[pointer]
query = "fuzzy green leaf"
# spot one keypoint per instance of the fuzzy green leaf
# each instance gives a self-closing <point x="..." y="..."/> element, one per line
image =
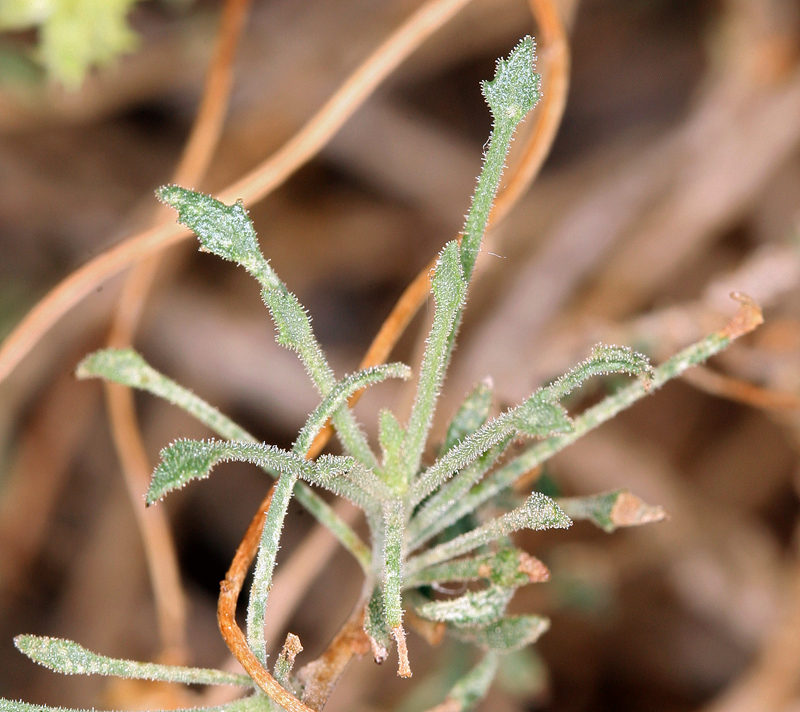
<point x="473" y="413"/>
<point x="474" y="608"/>
<point x="473" y="687"/>
<point x="507" y="567"/>
<point x="338" y="397"/>
<point x="536" y="417"/>
<point x="187" y="460"/>
<point x="538" y="513"/>
<point x="390" y="437"/>
<point x="449" y="290"/>
<point x="611" y="510"/>
<point x="514" y="90"/>
<point x="125" y="366"/>
<point x="376" y="627"/>
<point x="507" y="634"/>
<point x="227" y="231"/>
<point x="128" y="368"/>
<point x="603" y="361"/>
<point x="223" y="230"/>
<point x="70" y="658"/>
<point x="511" y="95"/>
<point x="393" y="562"/>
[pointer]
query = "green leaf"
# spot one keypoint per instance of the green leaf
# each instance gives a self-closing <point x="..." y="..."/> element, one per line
<point x="393" y="518"/>
<point x="535" y="417"/>
<point x="511" y="95"/>
<point x="603" y="361"/>
<point x="223" y="230"/>
<point x="473" y="413"/>
<point x="125" y="366"/>
<point x="187" y="460"/>
<point x="376" y="627"/>
<point x="538" y="513"/>
<point x="507" y="567"/>
<point x="70" y="658"/>
<point x="611" y="510"/>
<point x="473" y="687"/>
<point x="128" y="368"/>
<point x="506" y="635"/>
<point x="474" y="608"/>
<point x="514" y="90"/>
<point x="449" y="290"/>
<point x="390" y="437"/>
<point x="338" y="397"/>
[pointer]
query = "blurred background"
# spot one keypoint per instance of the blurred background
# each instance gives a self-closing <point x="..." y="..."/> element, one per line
<point x="674" y="180"/>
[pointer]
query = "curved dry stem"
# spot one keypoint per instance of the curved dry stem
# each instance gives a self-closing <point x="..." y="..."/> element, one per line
<point x="736" y="389"/>
<point x="232" y="634"/>
<point x="159" y="547"/>
<point x="320" y="676"/>
<point x="162" y="560"/>
<point x="251" y="188"/>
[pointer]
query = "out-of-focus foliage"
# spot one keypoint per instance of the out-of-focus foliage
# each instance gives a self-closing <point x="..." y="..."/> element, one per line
<point x="73" y="35"/>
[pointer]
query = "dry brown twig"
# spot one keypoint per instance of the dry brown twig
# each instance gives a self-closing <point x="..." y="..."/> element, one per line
<point x="162" y="559"/>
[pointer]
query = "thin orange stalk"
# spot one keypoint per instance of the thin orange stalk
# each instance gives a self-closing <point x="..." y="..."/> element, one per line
<point x="162" y="559"/>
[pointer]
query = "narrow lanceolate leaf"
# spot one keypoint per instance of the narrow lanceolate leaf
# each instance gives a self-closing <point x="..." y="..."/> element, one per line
<point x="187" y="460"/>
<point x="603" y="361"/>
<point x="128" y="368"/>
<point x="473" y="687"/>
<point x="536" y="417"/>
<point x="338" y="397"/>
<point x="449" y="291"/>
<point x="125" y="366"/>
<point x="506" y="635"/>
<point x="393" y="562"/>
<point x="473" y="413"/>
<point x="265" y="564"/>
<point x="508" y="567"/>
<point x="436" y="512"/>
<point x="747" y="319"/>
<point x="474" y="608"/>
<point x="69" y="658"/>
<point x="512" y="93"/>
<point x="538" y="513"/>
<point x="611" y="510"/>
<point x="390" y="436"/>
<point x="376" y="627"/>
<point x="246" y="704"/>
